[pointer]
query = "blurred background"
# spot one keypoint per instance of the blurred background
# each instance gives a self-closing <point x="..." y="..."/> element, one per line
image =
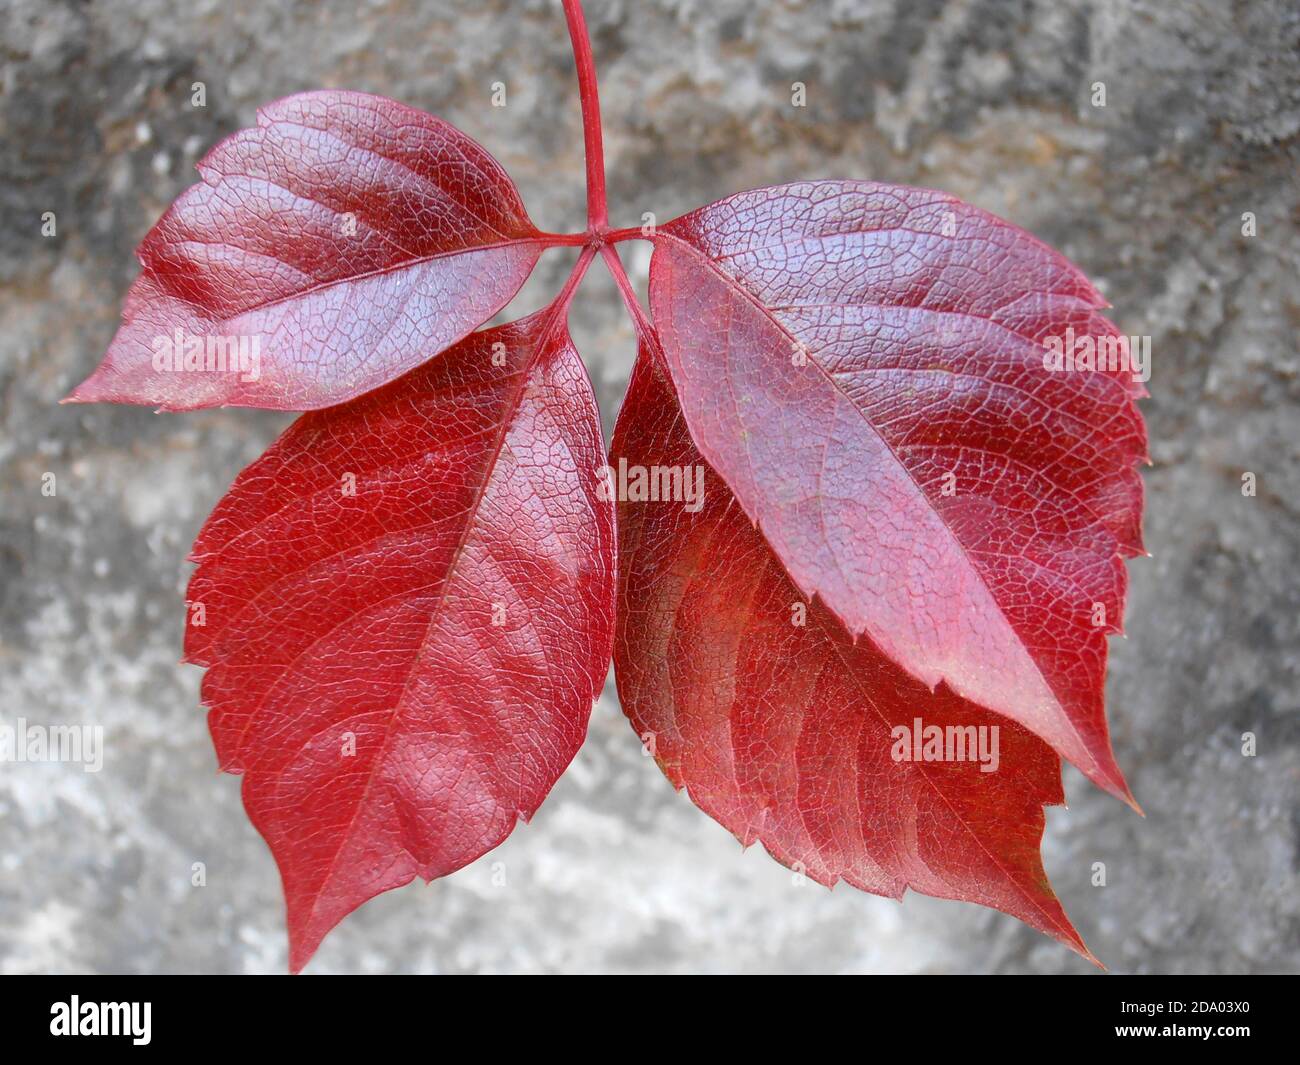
<point x="989" y="99"/>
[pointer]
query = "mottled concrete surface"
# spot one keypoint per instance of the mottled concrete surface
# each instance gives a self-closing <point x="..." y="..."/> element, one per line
<point x="987" y="99"/>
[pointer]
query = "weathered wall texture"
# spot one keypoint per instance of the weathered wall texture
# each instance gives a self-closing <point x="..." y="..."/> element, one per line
<point x="988" y="99"/>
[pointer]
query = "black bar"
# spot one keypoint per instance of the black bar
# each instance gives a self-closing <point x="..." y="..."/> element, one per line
<point x="1037" y="1014"/>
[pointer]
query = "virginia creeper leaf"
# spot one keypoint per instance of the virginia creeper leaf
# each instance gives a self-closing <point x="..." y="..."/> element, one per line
<point x="863" y="364"/>
<point x="408" y="610"/>
<point x="780" y="725"/>
<point x="343" y="240"/>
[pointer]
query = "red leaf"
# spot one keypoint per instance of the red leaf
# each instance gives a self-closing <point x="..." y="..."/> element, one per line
<point x="453" y="617"/>
<point x="863" y="365"/>
<point x="783" y="732"/>
<point x="347" y="236"/>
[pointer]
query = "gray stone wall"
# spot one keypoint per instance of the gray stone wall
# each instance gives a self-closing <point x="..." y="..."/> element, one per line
<point x="988" y="99"/>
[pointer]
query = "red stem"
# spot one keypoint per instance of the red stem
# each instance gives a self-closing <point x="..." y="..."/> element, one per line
<point x="645" y="331"/>
<point x="616" y="236"/>
<point x="598" y="235"/>
<point x="597" y="208"/>
<point x="558" y="309"/>
<point x="612" y="259"/>
<point x="575" y="278"/>
<point x="565" y="240"/>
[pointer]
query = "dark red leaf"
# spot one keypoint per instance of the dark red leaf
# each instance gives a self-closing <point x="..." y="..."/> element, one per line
<point x="864" y="366"/>
<point x="781" y="726"/>
<point x="348" y="237"/>
<point x="451" y="621"/>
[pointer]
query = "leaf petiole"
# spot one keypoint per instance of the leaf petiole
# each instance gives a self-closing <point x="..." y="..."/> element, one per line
<point x="597" y="208"/>
<point x="644" y="330"/>
<point x="565" y="240"/>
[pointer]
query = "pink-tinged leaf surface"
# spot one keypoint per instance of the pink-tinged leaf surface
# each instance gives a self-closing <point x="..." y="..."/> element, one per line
<point x="864" y="366"/>
<point x="452" y="620"/>
<point x="783" y="732"/>
<point x="346" y="239"/>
